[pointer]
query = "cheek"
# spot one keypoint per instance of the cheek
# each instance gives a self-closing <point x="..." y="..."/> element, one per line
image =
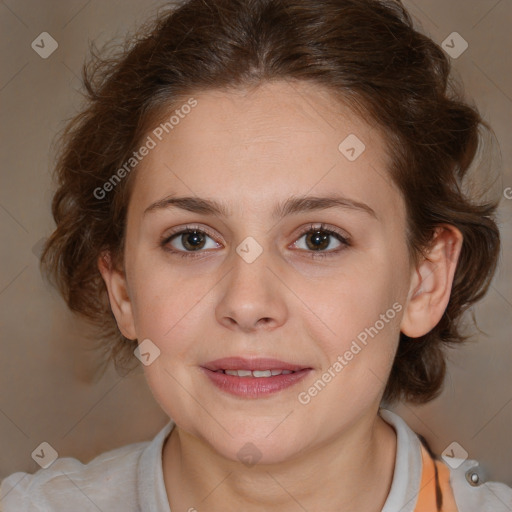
<point x="347" y="302"/>
<point x="162" y="300"/>
<point x="358" y="348"/>
<point x="356" y="318"/>
<point x="169" y="310"/>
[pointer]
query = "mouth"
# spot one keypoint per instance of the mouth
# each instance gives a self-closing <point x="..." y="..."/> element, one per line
<point x="254" y="378"/>
<point x="255" y="373"/>
<point x="258" y="365"/>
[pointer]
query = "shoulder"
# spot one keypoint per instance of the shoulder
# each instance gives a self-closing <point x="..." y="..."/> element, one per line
<point x="469" y="496"/>
<point x="472" y="493"/>
<point x="69" y="484"/>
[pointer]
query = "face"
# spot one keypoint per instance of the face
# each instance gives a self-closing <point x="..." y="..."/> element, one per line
<point x="300" y="288"/>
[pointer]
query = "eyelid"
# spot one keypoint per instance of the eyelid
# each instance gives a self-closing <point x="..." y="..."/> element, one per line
<point x="190" y="227"/>
<point x="322" y="226"/>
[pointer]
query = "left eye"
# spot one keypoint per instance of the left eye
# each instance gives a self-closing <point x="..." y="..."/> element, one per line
<point x="193" y="239"/>
<point x="318" y="239"/>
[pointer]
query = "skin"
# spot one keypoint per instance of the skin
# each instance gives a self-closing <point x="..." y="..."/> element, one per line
<point x="253" y="149"/>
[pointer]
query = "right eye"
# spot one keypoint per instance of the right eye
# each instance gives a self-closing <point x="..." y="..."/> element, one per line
<point x="191" y="239"/>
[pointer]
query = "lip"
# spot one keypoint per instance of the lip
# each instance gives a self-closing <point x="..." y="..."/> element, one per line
<point x="240" y="363"/>
<point x="253" y="387"/>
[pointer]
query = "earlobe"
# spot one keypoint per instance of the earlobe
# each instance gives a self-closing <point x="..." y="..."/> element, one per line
<point x="120" y="301"/>
<point x="431" y="284"/>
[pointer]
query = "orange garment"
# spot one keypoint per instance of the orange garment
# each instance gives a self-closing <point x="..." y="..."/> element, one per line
<point x="427" y="495"/>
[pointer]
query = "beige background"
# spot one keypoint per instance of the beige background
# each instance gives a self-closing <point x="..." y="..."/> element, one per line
<point x="46" y="389"/>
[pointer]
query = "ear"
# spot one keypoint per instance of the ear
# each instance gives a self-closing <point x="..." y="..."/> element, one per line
<point x="431" y="285"/>
<point x="118" y="295"/>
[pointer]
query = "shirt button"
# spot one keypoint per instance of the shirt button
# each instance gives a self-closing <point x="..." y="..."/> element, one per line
<point x="474" y="476"/>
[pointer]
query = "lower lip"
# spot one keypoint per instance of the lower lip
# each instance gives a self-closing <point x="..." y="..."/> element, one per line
<point x="254" y="387"/>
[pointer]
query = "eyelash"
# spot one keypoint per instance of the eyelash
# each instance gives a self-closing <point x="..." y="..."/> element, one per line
<point x="311" y="228"/>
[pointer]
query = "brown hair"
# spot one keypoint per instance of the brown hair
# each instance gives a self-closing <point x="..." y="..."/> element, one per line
<point x="364" y="52"/>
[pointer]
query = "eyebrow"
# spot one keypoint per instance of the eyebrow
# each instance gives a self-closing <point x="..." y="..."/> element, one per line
<point x="292" y="205"/>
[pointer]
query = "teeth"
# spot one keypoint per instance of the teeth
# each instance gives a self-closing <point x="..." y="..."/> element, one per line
<point x="264" y="373"/>
<point x="256" y="373"/>
<point x="244" y="373"/>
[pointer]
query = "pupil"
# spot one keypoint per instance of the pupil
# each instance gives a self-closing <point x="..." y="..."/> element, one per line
<point x="193" y="235"/>
<point x="318" y="238"/>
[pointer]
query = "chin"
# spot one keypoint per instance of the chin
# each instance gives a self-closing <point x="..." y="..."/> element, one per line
<point x="251" y="450"/>
<point x="250" y="454"/>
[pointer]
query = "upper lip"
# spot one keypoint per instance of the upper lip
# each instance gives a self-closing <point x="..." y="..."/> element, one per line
<point x="240" y="363"/>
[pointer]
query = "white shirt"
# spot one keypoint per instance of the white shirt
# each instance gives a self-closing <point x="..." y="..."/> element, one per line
<point x="130" y="479"/>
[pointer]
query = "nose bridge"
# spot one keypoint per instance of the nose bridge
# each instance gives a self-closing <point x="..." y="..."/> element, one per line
<point x="251" y="291"/>
<point x="250" y="265"/>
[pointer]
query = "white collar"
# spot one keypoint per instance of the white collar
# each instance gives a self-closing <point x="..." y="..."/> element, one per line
<point x="402" y="496"/>
<point x="406" y="483"/>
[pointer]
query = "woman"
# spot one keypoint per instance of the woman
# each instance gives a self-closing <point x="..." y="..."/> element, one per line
<point x="263" y="201"/>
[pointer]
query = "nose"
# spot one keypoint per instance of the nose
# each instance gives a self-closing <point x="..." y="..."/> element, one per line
<point x="252" y="295"/>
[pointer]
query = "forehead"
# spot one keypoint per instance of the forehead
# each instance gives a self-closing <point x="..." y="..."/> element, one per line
<point x="244" y="147"/>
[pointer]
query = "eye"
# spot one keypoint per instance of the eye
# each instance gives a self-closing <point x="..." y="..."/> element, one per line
<point x="318" y="238"/>
<point x="193" y="239"/>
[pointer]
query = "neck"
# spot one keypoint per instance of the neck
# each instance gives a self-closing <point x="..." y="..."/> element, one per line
<point x="351" y="472"/>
